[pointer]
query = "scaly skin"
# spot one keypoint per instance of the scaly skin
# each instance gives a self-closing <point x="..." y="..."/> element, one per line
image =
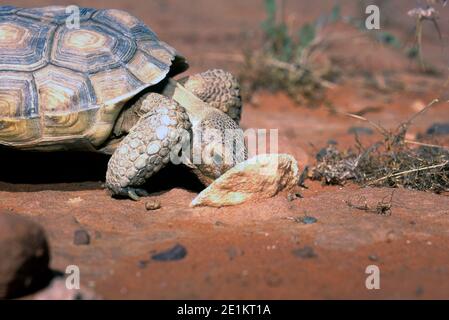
<point x="146" y="149"/>
<point x="219" y="89"/>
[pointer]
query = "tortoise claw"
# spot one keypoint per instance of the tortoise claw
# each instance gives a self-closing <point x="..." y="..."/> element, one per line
<point x="133" y="195"/>
<point x="136" y="194"/>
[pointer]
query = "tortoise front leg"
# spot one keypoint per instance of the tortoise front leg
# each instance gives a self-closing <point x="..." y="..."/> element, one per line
<point x="162" y="129"/>
<point x="218" y="88"/>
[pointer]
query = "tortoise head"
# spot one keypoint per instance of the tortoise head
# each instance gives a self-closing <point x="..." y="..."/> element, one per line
<point x="218" y="145"/>
<point x="217" y="142"/>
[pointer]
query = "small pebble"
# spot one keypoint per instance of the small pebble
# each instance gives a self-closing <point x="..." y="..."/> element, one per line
<point x="177" y="252"/>
<point x="305" y="253"/>
<point x="219" y="224"/>
<point x="321" y="154"/>
<point x="438" y="129"/>
<point x="81" y="237"/>
<point x="152" y="205"/>
<point x="360" y="131"/>
<point x="373" y="257"/>
<point x="307" y="220"/>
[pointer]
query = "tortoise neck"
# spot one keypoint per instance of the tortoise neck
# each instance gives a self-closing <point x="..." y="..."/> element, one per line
<point x="195" y="107"/>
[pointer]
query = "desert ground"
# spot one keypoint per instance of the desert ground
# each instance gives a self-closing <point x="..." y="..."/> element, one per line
<point x="257" y="250"/>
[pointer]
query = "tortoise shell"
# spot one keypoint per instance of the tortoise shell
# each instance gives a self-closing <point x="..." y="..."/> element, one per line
<point x="62" y="85"/>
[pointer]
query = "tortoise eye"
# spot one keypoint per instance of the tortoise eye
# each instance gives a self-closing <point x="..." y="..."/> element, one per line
<point x="218" y="159"/>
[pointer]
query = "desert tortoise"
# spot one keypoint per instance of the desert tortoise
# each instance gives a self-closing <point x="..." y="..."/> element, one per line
<point x="105" y="85"/>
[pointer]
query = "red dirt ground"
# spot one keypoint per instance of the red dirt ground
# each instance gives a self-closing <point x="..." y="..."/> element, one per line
<point x="247" y="251"/>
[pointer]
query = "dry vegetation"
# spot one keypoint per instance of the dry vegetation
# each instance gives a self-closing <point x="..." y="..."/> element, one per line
<point x="286" y="63"/>
<point x="286" y="60"/>
<point x="391" y="162"/>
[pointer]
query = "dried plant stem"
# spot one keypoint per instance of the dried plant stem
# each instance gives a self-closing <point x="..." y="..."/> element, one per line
<point x="379" y="128"/>
<point x="425" y="144"/>
<point x="409" y="121"/>
<point x="407" y="172"/>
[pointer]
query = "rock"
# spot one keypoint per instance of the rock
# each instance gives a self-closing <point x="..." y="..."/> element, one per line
<point x="260" y="177"/>
<point x="308" y="220"/>
<point x="321" y="154"/>
<point x="438" y="129"/>
<point x="152" y="205"/>
<point x="305" y="253"/>
<point x="57" y="290"/>
<point x="178" y="252"/>
<point x="373" y="257"/>
<point x="81" y="237"/>
<point x="361" y="130"/>
<point x="24" y="256"/>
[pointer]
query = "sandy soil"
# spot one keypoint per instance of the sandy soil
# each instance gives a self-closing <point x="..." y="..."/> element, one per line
<point x="251" y="251"/>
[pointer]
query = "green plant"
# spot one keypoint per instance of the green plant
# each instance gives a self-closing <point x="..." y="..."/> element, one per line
<point x="283" y="63"/>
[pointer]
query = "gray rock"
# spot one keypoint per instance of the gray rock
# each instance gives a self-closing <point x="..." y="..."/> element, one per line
<point x="438" y="129"/>
<point x="177" y="252"/>
<point x="305" y="253"/>
<point x="361" y="130"/>
<point x="81" y="237"/>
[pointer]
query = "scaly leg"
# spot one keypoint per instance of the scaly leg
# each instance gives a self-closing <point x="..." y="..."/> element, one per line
<point x="162" y="129"/>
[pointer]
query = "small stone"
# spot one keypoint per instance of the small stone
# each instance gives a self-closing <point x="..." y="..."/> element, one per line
<point x="152" y="205"/>
<point x="361" y="130"/>
<point x="308" y="220"/>
<point x="438" y="129"/>
<point x="305" y="253"/>
<point x="81" y="237"/>
<point x="177" y="252"/>
<point x="321" y="154"/>
<point x="24" y="256"/>
<point x="373" y="257"/>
